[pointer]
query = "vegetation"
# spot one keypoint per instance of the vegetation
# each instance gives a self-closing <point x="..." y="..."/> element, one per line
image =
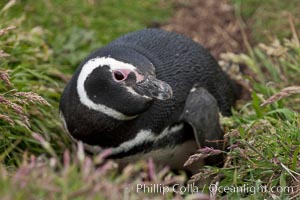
<point x="264" y="137"/>
<point x="269" y="18"/>
<point x="47" y="42"/>
<point x="42" y="42"/>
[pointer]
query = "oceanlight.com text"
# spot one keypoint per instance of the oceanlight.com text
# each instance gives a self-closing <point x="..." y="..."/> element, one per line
<point x="248" y="189"/>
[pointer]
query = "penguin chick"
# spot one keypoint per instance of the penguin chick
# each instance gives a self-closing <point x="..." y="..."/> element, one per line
<point x="150" y="93"/>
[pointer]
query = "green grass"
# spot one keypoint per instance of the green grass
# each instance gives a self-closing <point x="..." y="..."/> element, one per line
<point x="52" y="37"/>
<point x="270" y="18"/>
<point x="265" y="140"/>
<point x="50" y="40"/>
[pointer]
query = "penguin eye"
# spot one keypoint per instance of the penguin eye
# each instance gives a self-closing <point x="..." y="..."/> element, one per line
<point x="119" y="76"/>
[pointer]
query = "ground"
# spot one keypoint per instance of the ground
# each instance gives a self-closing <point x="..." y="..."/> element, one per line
<point x="211" y="23"/>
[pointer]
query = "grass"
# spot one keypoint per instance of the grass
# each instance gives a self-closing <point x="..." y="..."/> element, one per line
<point x="268" y="19"/>
<point x="265" y="139"/>
<point x="49" y="41"/>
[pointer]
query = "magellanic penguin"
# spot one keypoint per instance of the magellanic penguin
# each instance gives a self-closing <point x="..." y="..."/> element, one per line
<point x="150" y="93"/>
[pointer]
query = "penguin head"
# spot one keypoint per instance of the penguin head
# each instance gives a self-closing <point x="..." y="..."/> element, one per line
<point x="119" y="82"/>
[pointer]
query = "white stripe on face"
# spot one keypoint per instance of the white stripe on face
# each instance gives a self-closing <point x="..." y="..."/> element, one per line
<point x="86" y="70"/>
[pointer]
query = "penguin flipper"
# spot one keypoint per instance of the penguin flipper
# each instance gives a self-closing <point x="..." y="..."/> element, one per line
<point x="201" y="111"/>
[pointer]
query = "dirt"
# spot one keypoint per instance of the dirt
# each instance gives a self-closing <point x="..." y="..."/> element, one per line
<point x="212" y="23"/>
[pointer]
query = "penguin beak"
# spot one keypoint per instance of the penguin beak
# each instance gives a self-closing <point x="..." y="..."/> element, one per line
<point x="154" y="88"/>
